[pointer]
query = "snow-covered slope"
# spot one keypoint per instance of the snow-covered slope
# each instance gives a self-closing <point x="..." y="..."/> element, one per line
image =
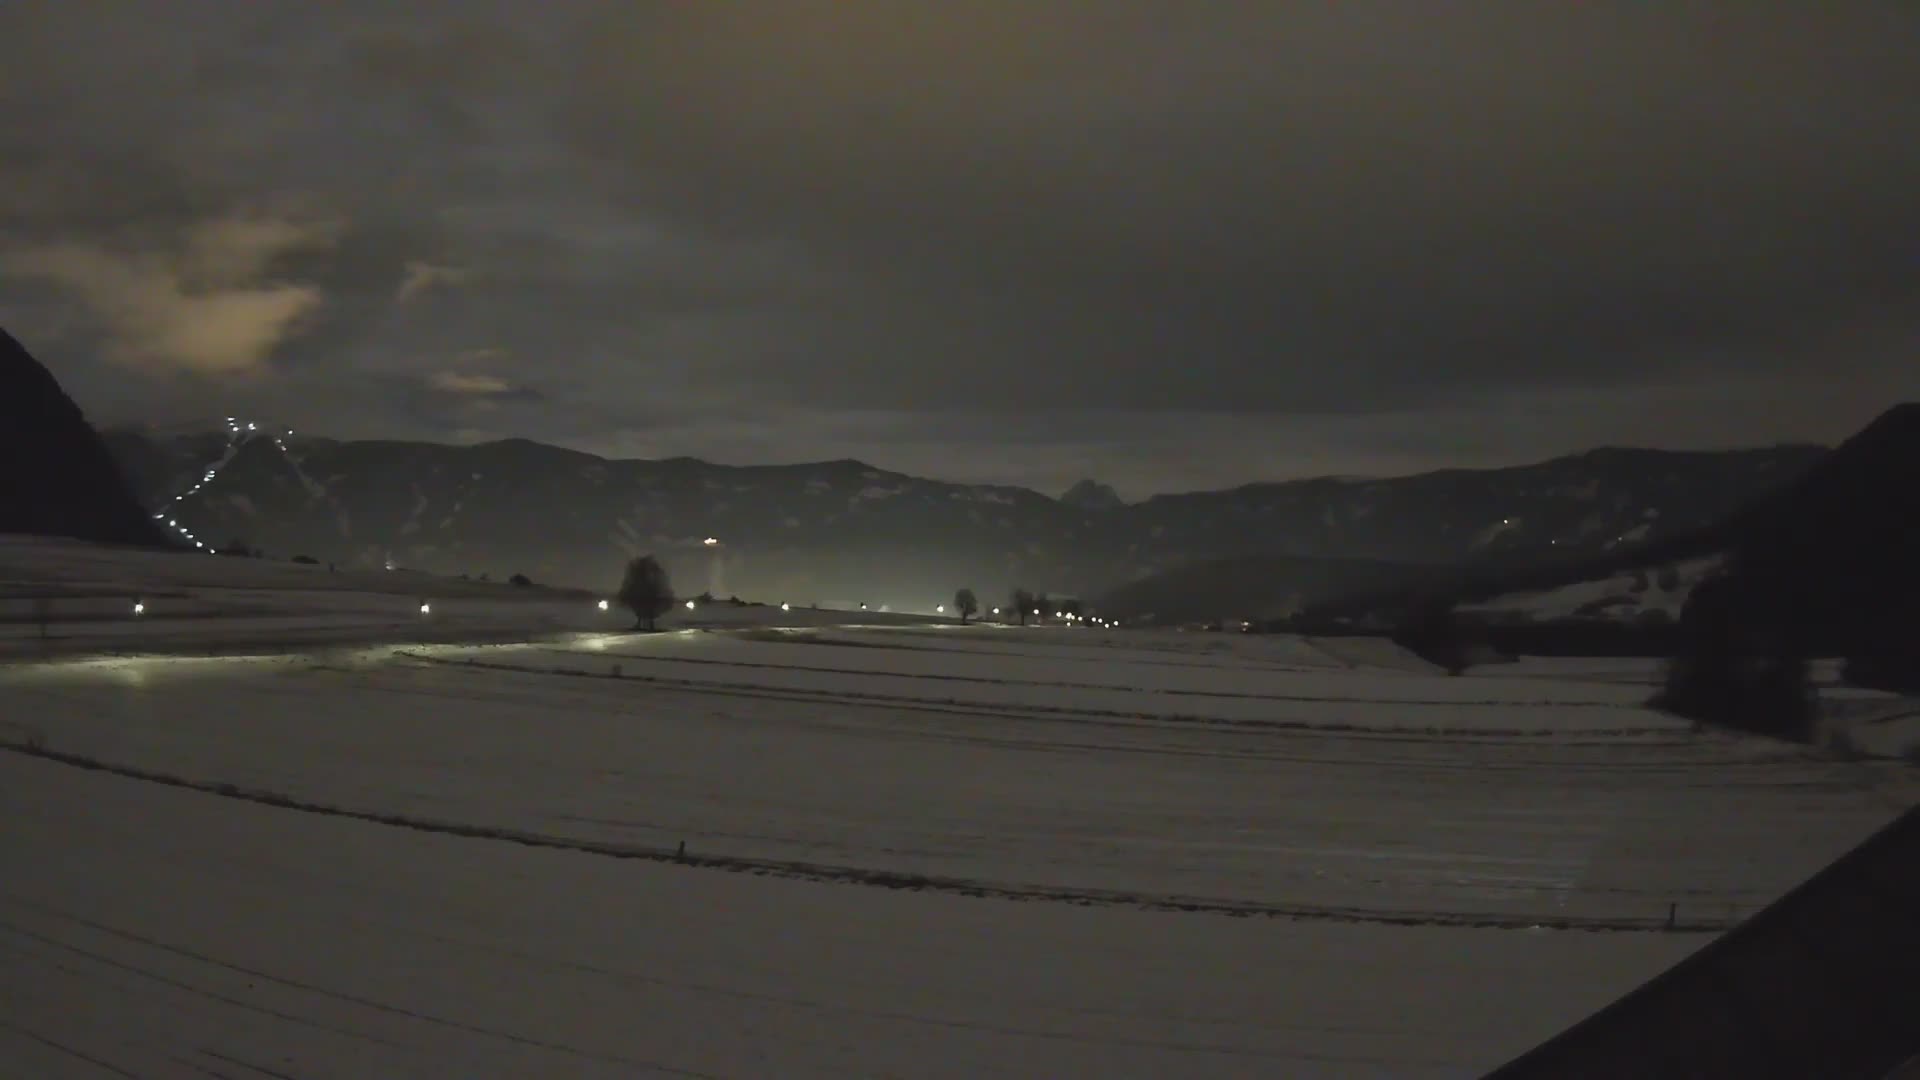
<point x="1654" y="594"/>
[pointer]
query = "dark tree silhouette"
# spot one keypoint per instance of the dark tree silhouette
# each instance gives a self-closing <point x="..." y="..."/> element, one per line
<point x="1740" y="663"/>
<point x="1041" y="605"/>
<point x="645" y="591"/>
<point x="1022" y="604"/>
<point x="966" y="604"/>
<point x="521" y="580"/>
<point x="1432" y="633"/>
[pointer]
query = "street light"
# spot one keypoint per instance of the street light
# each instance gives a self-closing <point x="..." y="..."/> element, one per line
<point x="786" y="607"/>
<point x="426" y="609"/>
<point x="139" y="608"/>
<point x="940" y="609"/>
<point x="689" y="605"/>
<point x="603" y="605"/>
<point x="710" y="541"/>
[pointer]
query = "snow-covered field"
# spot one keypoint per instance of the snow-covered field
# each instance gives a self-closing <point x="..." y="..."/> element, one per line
<point x="59" y="598"/>
<point x="910" y="849"/>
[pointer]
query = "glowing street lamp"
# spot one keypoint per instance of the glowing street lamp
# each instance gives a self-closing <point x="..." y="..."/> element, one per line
<point x="940" y="609"/>
<point x="426" y="609"/>
<point x="603" y="605"/>
<point x="689" y="605"/>
<point x="139" y="608"/>
<point x="710" y="541"/>
<point x="786" y="607"/>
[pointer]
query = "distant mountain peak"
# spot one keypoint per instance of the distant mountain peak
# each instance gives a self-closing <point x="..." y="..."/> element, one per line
<point x="1092" y="495"/>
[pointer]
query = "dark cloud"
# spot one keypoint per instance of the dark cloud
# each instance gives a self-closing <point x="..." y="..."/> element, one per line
<point x="1166" y="244"/>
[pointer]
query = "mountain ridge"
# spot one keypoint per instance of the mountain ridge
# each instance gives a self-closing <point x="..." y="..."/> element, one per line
<point x="848" y="530"/>
<point x="57" y="475"/>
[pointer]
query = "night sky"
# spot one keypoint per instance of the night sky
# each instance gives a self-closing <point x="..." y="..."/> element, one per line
<point x="1169" y="246"/>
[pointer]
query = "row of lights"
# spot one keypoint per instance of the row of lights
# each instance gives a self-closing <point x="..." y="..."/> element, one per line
<point x="233" y="436"/>
<point x="426" y="608"/>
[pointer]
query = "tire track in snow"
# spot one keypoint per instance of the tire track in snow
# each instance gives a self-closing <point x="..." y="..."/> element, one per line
<point x="1041" y="650"/>
<point x="788" y="693"/>
<point x="900" y="880"/>
<point x="1235" y="695"/>
<point x="340" y="996"/>
<point x="1582" y="740"/>
<point x="63" y="1048"/>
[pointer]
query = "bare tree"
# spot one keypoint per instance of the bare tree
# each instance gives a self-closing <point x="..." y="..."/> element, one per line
<point x="1022" y="604"/>
<point x="646" y="591"/>
<point x="966" y="604"/>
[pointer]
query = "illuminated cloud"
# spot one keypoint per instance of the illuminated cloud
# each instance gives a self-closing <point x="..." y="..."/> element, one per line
<point x="422" y="276"/>
<point x="454" y="382"/>
<point x="208" y="307"/>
